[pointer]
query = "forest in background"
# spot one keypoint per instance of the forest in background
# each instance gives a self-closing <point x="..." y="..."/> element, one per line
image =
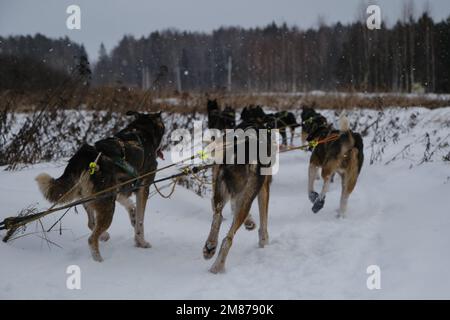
<point x="411" y="56"/>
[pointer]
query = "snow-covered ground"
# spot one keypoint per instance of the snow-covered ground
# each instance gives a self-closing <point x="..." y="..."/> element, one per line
<point x="398" y="219"/>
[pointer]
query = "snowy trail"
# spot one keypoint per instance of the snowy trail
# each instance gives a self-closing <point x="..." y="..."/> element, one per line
<point x="398" y="219"/>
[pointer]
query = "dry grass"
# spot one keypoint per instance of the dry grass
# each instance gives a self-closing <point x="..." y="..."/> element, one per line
<point x="121" y="99"/>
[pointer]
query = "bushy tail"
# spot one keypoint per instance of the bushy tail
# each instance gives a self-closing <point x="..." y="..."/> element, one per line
<point x="344" y="124"/>
<point x="62" y="189"/>
<point x="354" y="139"/>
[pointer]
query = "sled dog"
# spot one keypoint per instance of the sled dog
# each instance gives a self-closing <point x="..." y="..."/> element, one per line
<point x="130" y="153"/>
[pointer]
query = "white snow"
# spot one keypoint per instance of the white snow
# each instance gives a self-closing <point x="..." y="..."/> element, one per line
<point x="398" y="219"/>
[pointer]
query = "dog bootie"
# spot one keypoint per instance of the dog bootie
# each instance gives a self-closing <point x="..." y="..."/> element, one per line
<point x="318" y="205"/>
<point x="313" y="196"/>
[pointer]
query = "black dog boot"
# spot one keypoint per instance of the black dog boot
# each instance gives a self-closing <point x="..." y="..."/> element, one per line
<point x="318" y="205"/>
<point x="313" y="196"/>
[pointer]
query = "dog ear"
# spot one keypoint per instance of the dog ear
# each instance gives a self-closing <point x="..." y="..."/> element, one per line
<point x="132" y="113"/>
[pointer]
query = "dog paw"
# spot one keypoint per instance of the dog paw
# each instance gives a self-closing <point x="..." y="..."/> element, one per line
<point x="340" y="214"/>
<point x="96" y="256"/>
<point x="313" y="196"/>
<point x="140" y="243"/>
<point x="209" y="250"/>
<point x="263" y="240"/>
<point x="217" y="269"/>
<point x="105" y="236"/>
<point x="318" y="205"/>
<point x="249" y="224"/>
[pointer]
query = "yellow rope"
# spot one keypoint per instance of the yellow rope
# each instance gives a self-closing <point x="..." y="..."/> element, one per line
<point x="313" y="143"/>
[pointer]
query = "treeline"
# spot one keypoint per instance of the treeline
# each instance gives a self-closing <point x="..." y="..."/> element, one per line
<point x="411" y="56"/>
<point x="36" y="62"/>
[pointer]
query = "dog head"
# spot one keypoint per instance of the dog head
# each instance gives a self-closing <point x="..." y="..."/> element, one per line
<point x="152" y="126"/>
<point x="307" y="113"/>
<point x="212" y="105"/>
<point x="253" y="114"/>
<point x="312" y="121"/>
<point x="148" y="122"/>
<point x="317" y="128"/>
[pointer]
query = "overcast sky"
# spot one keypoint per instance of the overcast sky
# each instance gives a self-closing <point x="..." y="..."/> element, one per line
<point x="108" y="20"/>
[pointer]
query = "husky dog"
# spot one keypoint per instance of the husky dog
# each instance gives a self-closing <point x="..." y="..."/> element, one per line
<point x="212" y="107"/>
<point x="222" y="120"/>
<point x="311" y="120"/>
<point x="253" y="114"/>
<point x="343" y="155"/>
<point x="218" y="119"/>
<point x="282" y="120"/>
<point x="240" y="184"/>
<point x="130" y="153"/>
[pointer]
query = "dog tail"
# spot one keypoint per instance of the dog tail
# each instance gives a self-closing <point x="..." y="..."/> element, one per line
<point x="360" y="146"/>
<point x="62" y="189"/>
<point x="344" y="124"/>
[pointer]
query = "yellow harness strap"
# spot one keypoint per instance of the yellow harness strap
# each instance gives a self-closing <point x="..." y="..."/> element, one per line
<point x="203" y="155"/>
<point x="93" y="167"/>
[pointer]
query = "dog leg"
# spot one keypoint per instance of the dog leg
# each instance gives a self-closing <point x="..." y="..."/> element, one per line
<point x="284" y="138"/>
<point x="263" y="203"/>
<point x="218" y="202"/>
<point x="349" y="179"/>
<point x="348" y="184"/>
<point x="292" y="135"/>
<point x="312" y="173"/>
<point x="249" y="222"/>
<point x="141" y="199"/>
<point x="104" y="215"/>
<point x="129" y="206"/>
<point x="91" y="216"/>
<point x="91" y="222"/>
<point x="343" y="204"/>
<point x="320" y="201"/>
<point x="238" y="220"/>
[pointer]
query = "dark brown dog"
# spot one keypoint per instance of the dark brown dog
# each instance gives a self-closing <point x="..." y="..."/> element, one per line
<point x="130" y="153"/>
<point x="218" y="119"/>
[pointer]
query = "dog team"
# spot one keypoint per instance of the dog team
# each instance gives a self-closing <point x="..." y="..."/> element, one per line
<point x="133" y="152"/>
